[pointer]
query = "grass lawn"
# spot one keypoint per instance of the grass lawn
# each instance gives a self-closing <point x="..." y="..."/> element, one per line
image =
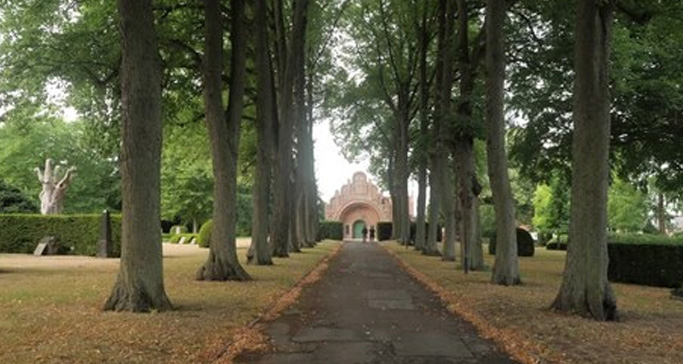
<point x="50" y="308"/>
<point x="650" y="328"/>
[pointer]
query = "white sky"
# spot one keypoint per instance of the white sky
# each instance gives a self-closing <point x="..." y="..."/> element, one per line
<point x="331" y="168"/>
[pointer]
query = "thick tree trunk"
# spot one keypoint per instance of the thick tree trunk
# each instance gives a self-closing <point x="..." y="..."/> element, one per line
<point x="139" y="285"/>
<point x="506" y="266"/>
<point x="288" y="70"/>
<point x="448" y="207"/>
<point x="476" y="258"/>
<point x="222" y="263"/>
<point x="402" y="174"/>
<point x="585" y="289"/>
<point x="259" y="251"/>
<point x="54" y="189"/>
<point x="431" y="247"/>
<point x="423" y="147"/>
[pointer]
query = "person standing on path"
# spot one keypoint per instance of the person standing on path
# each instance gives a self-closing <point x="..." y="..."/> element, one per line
<point x="372" y="233"/>
<point x="365" y="233"/>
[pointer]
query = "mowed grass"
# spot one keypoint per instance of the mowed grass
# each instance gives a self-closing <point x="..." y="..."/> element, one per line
<point x="650" y="329"/>
<point x="50" y="308"/>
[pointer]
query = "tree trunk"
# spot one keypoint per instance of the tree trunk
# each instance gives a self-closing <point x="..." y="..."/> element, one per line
<point x="259" y="251"/>
<point x="423" y="147"/>
<point x="661" y="213"/>
<point x="222" y="263"/>
<point x="448" y="207"/>
<point x="585" y="289"/>
<point x="289" y="69"/>
<point x="506" y="266"/>
<point x="430" y="248"/>
<point x="139" y="285"/>
<point x="52" y="194"/>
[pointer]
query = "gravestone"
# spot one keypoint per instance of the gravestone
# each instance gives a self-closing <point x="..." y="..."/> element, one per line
<point x="193" y="241"/>
<point x="182" y="240"/>
<point x="48" y="245"/>
<point x="104" y="244"/>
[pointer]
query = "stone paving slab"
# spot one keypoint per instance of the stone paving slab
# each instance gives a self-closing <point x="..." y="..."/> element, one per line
<point x="366" y="309"/>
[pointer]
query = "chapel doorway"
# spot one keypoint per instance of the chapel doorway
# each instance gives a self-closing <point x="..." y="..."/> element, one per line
<point x="358" y="227"/>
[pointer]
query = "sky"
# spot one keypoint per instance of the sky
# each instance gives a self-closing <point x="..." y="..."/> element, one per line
<point x="331" y="168"/>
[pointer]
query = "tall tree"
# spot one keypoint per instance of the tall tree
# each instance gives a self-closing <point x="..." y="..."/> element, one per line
<point x="222" y="263"/>
<point x="139" y="285"/>
<point x="290" y="53"/>
<point x="259" y="251"/>
<point x="585" y="289"/>
<point x="506" y="267"/>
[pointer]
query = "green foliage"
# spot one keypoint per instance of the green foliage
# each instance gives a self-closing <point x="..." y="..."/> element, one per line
<point x="175" y="239"/>
<point x="627" y="207"/>
<point x="24" y="148"/>
<point x="331" y="230"/>
<point x="204" y="238"/>
<point x="645" y="239"/>
<point x="12" y="200"/>
<point x="21" y="233"/>
<point x="525" y="243"/>
<point x="488" y="220"/>
<point x="384" y="230"/>
<point x="551" y="205"/>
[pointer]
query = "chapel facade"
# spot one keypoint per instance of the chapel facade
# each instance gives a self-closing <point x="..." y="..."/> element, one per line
<point x="359" y="204"/>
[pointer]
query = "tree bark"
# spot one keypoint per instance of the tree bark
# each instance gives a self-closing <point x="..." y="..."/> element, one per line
<point x="506" y="266"/>
<point x="53" y="192"/>
<point x="139" y="285"/>
<point x="259" y="251"/>
<point x="422" y="148"/>
<point x="222" y="263"/>
<point x="288" y="71"/>
<point x="431" y="248"/>
<point x="661" y="213"/>
<point x="585" y="289"/>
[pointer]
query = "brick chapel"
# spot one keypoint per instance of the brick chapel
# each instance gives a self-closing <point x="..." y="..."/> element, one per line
<point x="360" y="204"/>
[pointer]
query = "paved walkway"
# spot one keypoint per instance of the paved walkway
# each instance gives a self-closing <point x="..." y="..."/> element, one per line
<point x="366" y="309"/>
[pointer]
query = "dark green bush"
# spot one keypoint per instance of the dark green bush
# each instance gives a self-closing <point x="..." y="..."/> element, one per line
<point x="204" y="238"/>
<point x="384" y="230"/>
<point x="333" y="230"/>
<point x="20" y="233"/>
<point x="525" y="244"/>
<point x="12" y="200"/>
<point x="647" y="264"/>
<point x="175" y="238"/>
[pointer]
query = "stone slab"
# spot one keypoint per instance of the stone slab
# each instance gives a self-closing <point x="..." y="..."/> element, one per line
<point x="326" y="334"/>
<point x="391" y="304"/>
<point x="432" y="344"/>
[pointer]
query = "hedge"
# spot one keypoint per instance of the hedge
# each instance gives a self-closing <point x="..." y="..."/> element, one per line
<point x="20" y="233"/>
<point x="204" y="237"/>
<point x="525" y="244"/>
<point x="646" y="264"/>
<point x="413" y="231"/>
<point x="175" y="238"/>
<point x="384" y="230"/>
<point x="333" y="230"/>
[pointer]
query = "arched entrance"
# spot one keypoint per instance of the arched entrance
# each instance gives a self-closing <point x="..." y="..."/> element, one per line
<point x="358" y="227"/>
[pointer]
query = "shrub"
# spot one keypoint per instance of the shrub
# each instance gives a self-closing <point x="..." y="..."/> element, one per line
<point x="20" y="233"/>
<point x="413" y="230"/>
<point x="558" y="243"/>
<point x="175" y="239"/>
<point x="384" y="230"/>
<point x="647" y="264"/>
<point x="525" y="244"/>
<point x="333" y="230"/>
<point x="12" y="200"/>
<point x="204" y="237"/>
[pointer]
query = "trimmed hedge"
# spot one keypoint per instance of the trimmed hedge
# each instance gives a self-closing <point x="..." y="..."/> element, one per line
<point x="413" y="231"/>
<point x="525" y="244"/>
<point x="204" y="236"/>
<point x="646" y="264"/>
<point x="175" y="239"/>
<point x="333" y="230"/>
<point x="384" y="229"/>
<point x="20" y="233"/>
